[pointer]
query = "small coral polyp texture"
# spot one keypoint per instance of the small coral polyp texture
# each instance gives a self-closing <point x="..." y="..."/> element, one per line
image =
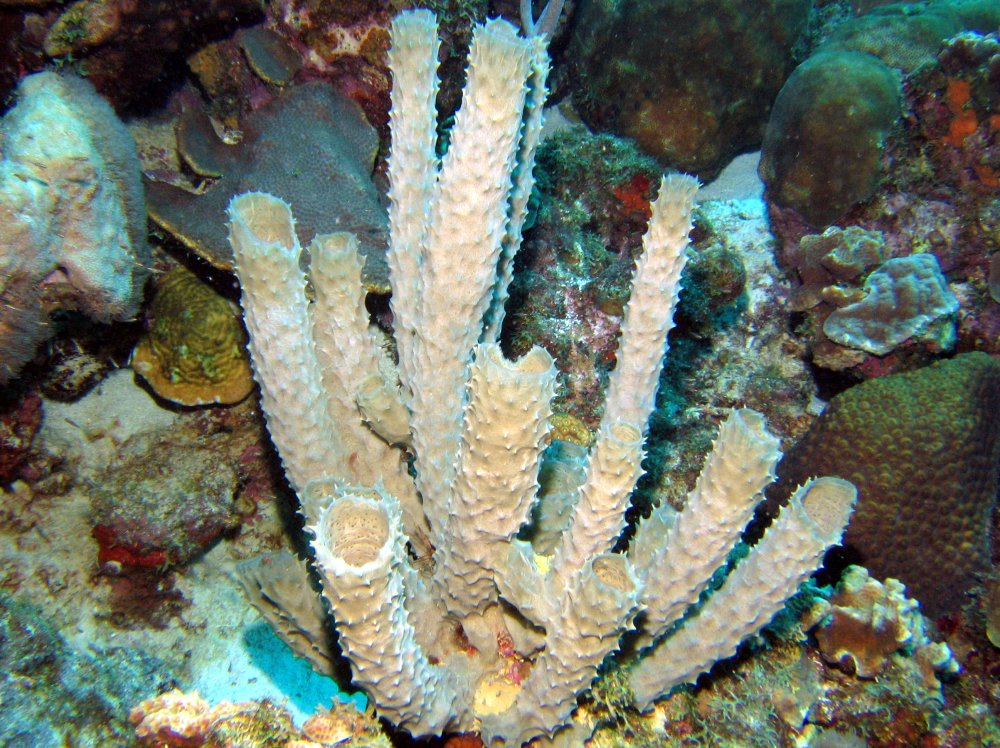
<point x="497" y="635"/>
<point x="922" y="447"/>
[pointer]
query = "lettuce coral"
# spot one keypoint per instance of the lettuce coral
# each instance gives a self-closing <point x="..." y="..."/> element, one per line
<point x="906" y="297"/>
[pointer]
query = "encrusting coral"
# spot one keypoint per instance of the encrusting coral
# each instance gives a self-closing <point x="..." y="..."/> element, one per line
<point x="478" y="631"/>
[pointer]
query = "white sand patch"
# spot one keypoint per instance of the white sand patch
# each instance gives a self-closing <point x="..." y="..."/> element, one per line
<point x="87" y="432"/>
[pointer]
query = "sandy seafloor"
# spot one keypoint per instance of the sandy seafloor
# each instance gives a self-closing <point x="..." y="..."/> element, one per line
<point x="221" y="647"/>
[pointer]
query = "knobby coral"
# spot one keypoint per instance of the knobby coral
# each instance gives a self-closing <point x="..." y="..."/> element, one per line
<point x="479" y="630"/>
<point x="922" y="447"/>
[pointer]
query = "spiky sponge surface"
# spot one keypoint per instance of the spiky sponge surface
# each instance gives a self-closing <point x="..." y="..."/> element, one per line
<point x="923" y="448"/>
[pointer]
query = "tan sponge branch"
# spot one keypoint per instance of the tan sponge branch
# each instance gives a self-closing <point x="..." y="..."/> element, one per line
<point x="417" y="473"/>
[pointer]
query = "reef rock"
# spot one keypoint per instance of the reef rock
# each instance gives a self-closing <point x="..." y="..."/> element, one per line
<point x="155" y="518"/>
<point x="71" y="206"/>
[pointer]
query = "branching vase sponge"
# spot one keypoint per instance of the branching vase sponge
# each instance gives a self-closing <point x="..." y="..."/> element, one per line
<point x="418" y="478"/>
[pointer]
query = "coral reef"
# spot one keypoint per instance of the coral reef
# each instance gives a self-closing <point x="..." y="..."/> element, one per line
<point x="128" y="48"/>
<point x="841" y="104"/>
<point x="437" y="652"/>
<point x="780" y="692"/>
<point x="690" y="82"/>
<point x="939" y="198"/>
<point x="194" y="352"/>
<point x="307" y="143"/>
<point x="866" y="623"/>
<point x="923" y="448"/>
<point x="71" y="204"/>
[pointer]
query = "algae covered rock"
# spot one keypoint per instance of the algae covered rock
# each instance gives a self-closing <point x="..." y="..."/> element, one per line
<point x="691" y="81"/>
<point x="154" y="518"/>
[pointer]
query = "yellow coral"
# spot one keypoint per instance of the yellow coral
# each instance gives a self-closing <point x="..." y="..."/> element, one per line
<point x="195" y="350"/>
<point x="568" y="428"/>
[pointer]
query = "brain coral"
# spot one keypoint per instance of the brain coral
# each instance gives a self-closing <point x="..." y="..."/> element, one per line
<point x="195" y="350"/>
<point x="923" y="448"/>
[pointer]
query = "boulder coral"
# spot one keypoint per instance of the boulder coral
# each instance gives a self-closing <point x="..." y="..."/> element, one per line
<point x="836" y="108"/>
<point x="823" y="151"/>
<point x="71" y="205"/>
<point x="923" y="448"/>
<point x="691" y="81"/>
